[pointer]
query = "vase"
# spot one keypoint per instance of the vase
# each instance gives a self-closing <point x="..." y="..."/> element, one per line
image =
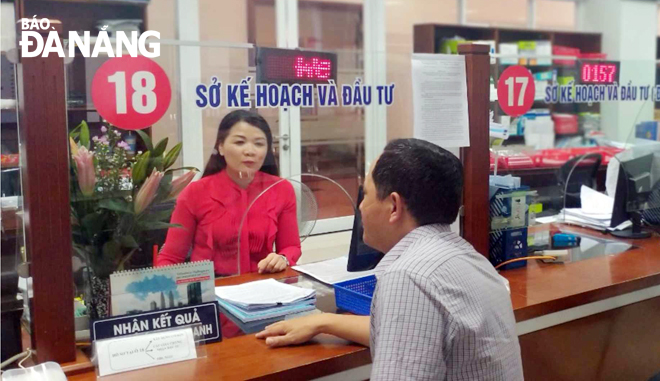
<point x="98" y="301"/>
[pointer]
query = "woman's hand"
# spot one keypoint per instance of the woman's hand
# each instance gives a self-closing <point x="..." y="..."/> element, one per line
<point x="273" y="263"/>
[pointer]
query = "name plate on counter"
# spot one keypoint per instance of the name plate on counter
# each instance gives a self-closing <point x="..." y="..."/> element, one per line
<point x="144" y="351"/>
<point x="202" y="318"/>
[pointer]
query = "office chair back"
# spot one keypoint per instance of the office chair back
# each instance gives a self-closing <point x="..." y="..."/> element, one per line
<point x="583" y="174"/>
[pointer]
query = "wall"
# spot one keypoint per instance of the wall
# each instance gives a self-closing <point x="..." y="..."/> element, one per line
<point x="552" y="14"/>
<point x="497" y="12"/>
<point x="226" y="21"/>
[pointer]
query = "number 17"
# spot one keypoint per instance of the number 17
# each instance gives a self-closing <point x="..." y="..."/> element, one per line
<point x="521" y="95"/>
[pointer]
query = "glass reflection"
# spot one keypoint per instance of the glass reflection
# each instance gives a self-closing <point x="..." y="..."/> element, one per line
<point x="210" y="211"/>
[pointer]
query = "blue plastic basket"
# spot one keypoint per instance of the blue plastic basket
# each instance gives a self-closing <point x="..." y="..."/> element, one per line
<point x="355" y="295"/>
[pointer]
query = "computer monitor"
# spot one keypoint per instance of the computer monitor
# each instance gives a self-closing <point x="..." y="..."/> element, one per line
<point x="635" y="192"/>
<point x="361" y="257"/>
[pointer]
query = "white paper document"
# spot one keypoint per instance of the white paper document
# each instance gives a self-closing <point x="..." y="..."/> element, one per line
<point x="143" y="351"/>
<point x="331" y="271"/>
<point x="440" y="99"/>
<point x="263" y="293"/>
<point x="594" y="202"/>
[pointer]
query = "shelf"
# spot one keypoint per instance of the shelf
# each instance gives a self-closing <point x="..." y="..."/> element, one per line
<point x="81" y="108"/>
<point x="427" y="36"/>
<point x="549" y="67"/>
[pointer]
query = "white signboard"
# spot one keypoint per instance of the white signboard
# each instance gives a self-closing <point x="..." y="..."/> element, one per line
<point x="143" y="351"/>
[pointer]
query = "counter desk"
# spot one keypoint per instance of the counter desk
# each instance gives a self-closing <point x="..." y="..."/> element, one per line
<point x="241" y="356"/>
<point x="595" y="319"/>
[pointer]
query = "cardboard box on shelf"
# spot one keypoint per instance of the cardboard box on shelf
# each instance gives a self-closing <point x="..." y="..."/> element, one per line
<point x="540" y="48"/>
<point x="539" y="129"/>
<point x="656" y="114"/>
<point x="508" y="49"/>
<point x="559" y="50"/>
<point x="450" y="45"/>
<point x="648" y="130"/>
<point x="541" y="81"/>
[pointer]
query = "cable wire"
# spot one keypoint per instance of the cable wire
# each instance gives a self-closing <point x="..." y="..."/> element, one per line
<point x="20" y="363"/>
<point x="524" y="259"/>
<point x="26" y="354"/>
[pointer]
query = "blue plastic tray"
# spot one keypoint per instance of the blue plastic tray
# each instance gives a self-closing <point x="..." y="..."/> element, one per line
<point x="355" y="295"/>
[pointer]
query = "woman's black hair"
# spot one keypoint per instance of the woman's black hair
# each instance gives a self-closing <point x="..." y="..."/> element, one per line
<point x="217" y="162"/>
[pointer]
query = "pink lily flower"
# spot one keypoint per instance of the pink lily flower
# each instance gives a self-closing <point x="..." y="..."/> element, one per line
<point x="147" y="192"/>
<point x="84" y="160"/>
<point x="181" y="183"/>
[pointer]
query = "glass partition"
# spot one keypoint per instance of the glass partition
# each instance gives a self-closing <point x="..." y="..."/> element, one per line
<point x="14" y="257"/>
<point x="276" y="221"/>
<point x="580" y="135"/>
<point x="127" y="212"/>
<point x="333" y="138"/>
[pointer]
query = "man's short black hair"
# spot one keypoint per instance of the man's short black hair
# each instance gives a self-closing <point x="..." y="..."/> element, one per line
<point x="428" y="178"/>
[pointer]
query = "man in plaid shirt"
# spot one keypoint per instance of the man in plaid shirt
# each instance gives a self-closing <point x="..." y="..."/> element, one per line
<point x="440" y="311"/>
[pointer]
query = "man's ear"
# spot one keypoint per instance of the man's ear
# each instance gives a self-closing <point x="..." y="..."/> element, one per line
<point x="397" y="207"/>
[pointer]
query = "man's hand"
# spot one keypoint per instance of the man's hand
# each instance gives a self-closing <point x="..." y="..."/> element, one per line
<point x="298" y="331"/>
<point x="273" y="263"/>
<point x="292" y="332"/>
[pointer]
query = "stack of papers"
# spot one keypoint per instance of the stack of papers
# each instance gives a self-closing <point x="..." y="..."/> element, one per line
<point x="331" y="271"/>
<point x="580" y="217"/>
<point x="596" y="211"/>
<point x="264" y="299"/>
<point x="576" y="217"/>
<point x="594" y="202"/>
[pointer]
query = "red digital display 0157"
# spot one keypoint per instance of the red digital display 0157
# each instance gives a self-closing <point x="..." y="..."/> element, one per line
<point x="295" y="66"/>
<point x="599" y="72"/>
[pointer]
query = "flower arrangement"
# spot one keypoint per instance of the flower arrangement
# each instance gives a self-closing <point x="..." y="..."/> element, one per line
<point x="117" y="198"/>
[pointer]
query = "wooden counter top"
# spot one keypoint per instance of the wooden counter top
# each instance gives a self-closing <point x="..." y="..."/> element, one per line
<point x="536" y="290"/>
<point x="247" y="358"/>
<point x="543" y="288"/>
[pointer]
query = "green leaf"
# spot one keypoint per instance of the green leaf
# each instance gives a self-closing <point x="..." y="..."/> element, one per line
<point x="125" y="259"/>
<point x="129" y="241"/>
<point x="116" y="205"/>
<point x="93" y="223"/>
<point x="156" y="163"/>
<point x="163" y="215"/>
<point x="76" y="131"/>
<point x="157" y="225"/>
<point x="182" y="169"/>
<point x="81" y="253"/>
<point x="84" y="134"/>
<point x="172" y="155"/>
<point x="112" y="251"/>
<point x="139" y="171"/>
<point x="146" y="139"/>
<point x="160" y="148"/>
